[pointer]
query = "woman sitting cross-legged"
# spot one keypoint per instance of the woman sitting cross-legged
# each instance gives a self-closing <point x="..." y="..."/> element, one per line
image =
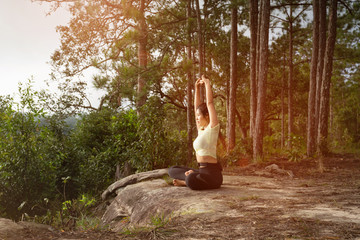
<point x="209" y="174"/>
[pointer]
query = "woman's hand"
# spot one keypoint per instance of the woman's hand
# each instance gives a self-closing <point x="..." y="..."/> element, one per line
<point x="187" y="173"/>
<point x="202" y="80"/>
<point x="198" y="82"/>
<point x="205" y="80"/>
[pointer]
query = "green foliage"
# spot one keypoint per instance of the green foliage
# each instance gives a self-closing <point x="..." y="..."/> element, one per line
<point x="74" y="214"/>
<point x="156" y="228"/>
<point x="41" y="158"/>
<point x="27" y="172"/>
<point x="345" y="129"/>
<point x="74" y="210"/>
<point x="160" y="220"/>
<point x="102" y="140"/>
<point x="272" y="146"/>
<point x="298" y="150"/>
<point x="157" y="146"/>
<point x="242" y="149"/>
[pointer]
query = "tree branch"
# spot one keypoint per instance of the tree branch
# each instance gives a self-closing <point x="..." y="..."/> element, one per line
<point x="172" y="101"/>
<point x="288" y="4"/>
<point x="346" y="6"/>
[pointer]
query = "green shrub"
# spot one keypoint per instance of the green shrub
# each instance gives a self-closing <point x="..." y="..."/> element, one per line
<point x="157" y="146"/>
<point x="27" y="172"/>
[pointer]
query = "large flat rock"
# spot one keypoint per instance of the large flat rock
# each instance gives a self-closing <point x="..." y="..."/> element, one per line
<point x="242" y="201"/>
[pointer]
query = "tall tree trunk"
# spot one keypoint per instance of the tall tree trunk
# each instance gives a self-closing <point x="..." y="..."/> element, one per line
<point x="233" y="79"/>
<point x="290" y="82"/>
<point x="254" y="12"/>
<point x="142" y="55"/>
<point x="263" y="70"/>
<point x="190" y="84"/>
<point x="326" y="82"/>
<point x="311" y="135"/>
<point x="320" y="65"/>
<point x="241" y="126"/>
<point x="283" y="104"/>
<point x="206" y="15"/>
<point x="200" y="47"/>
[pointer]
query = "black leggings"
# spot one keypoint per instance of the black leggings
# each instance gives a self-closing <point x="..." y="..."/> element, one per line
<point x="208" y="177"/>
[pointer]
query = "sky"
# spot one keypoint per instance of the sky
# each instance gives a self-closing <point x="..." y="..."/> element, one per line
<point x="28" y="38"/>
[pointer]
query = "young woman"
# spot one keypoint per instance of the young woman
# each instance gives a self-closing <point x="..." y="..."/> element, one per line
<point x="209" y="175"/>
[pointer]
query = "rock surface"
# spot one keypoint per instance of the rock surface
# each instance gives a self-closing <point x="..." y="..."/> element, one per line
<point x="135" y="178"/>
<point x="247" y="200"/>
<point x="11" y="230"/>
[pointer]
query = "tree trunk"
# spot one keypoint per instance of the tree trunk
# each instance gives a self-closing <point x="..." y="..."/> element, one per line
<point x="241" y="125"/>
<point x="326" y="82"/>
<point x="142" y="55"/>
<point x="233" y="79"/>
<point x="254" y="12"/>
<point x="320" y="64"/>
<point x="290" y="82"/>
<point x="283" y="104"/>
<point x="311" y="140"/>
<point x="190" y="84"/>
<point x="263" y="70"/>
<point x="200" y="47"/>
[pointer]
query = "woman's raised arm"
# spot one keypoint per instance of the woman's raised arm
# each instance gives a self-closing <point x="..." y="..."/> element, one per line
<point x="197" y="98"/>
<point x="210" y="102"/>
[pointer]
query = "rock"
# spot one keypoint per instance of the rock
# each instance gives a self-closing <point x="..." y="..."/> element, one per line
<point x="22" y="230"/>
<point x="138" y="177"/>
<point x="36" y="226"/>
<point x="245" y="207"/>
<point x="273" y="168"/>
<point x="9" y="229"/>
<point x="138" y="204"/>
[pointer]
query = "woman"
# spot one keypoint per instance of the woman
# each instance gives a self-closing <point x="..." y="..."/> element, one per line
<point x="209" y="175"/>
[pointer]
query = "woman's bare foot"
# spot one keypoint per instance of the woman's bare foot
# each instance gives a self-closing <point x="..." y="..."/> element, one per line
<point x="179" y="183"/>
<point x="187" y="173"/>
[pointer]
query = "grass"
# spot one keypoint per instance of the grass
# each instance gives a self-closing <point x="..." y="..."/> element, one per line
<point x="86" y="223"/>
<point x="155" y="230"/>
<point x="168" y="179"/>
<point x="249" y="198"/>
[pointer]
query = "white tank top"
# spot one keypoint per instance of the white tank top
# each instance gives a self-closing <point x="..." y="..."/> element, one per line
<point x="206" y="141"/>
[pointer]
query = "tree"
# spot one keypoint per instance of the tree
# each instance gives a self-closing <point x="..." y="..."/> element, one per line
<point x="107" y="34"/>
<point x="311" y="131"/>
<point x="253" y="61"/>
<point x="111" y="37"/>
<point x="261" y="86"/>
<point x="201" y="48"/>
<point x="344" y="130"/>
<point x="189" y="109"/>
<point x="320" y="64"/>
<point x="290" y="78"/>
<point x="326" y="81"/>
<point x="233" y="79"/>
<point x="142" y="54"/>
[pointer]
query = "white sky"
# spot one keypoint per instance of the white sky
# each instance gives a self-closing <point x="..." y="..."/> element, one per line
<point x="28" y="38"/>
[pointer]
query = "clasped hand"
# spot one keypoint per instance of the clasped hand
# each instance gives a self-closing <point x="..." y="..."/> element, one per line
<point x="202" y="80"/>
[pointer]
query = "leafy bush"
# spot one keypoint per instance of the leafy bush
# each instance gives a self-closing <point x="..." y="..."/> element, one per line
<point x="157" y="146"/>
<point x="100" y="142"/>
<point x="42" y="158"/>
<point x="28" y="173"/>
<point x="298" y="149"/>
<point x="71" y="215"/>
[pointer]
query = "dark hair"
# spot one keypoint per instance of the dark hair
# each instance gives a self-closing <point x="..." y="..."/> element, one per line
<point x="203" y="109"/>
